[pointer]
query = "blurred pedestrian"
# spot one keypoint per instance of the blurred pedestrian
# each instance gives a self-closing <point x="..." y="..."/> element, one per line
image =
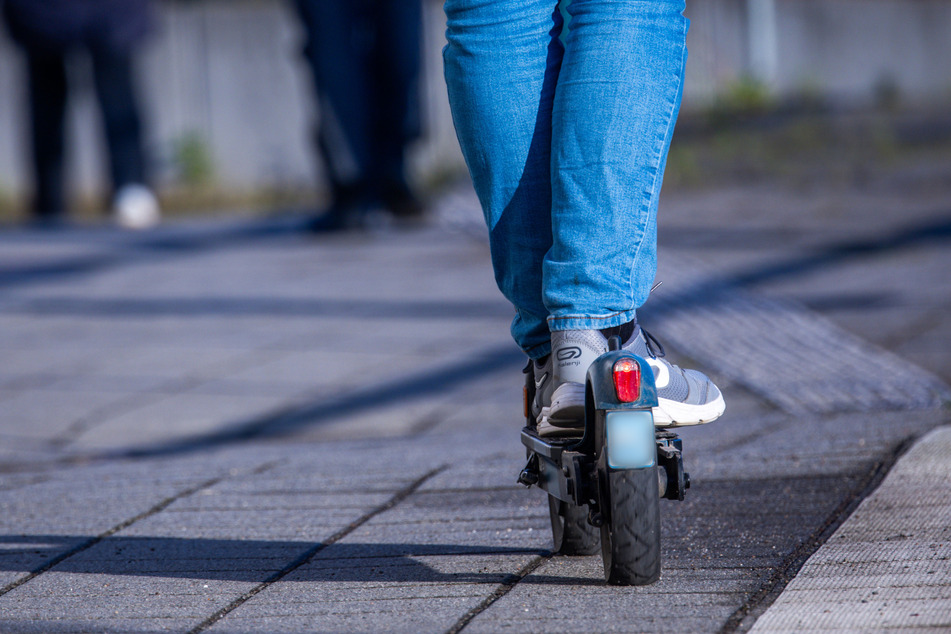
<point x="565" y="132"/>
<point x="365" y="58"/>
<point x="48" y="31"/>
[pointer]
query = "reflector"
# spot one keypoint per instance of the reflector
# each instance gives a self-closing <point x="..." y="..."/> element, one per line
<point x="627" y="380"/>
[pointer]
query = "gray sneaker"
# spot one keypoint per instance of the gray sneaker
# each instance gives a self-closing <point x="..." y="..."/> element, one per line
<point x="541" y="373"/>
<point x="685" y="397"/>
<point x="572" y="351"/>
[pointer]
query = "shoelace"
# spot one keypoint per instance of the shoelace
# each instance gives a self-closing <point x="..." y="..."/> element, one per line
<point x="651" y="341"/>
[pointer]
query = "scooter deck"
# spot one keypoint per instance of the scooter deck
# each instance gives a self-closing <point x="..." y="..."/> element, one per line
<point x="556" y="466"/>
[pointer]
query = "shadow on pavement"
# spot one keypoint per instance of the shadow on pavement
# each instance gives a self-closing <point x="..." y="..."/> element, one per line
<point x="263" y="306"/>
<point x="125" y="248"/>
<point x="936" y="230"/>
<point x="716" y="288"/>
<point x="753" y="529"/>
<point x="289" y="421"/>
<point x="188" y="240"/>
<point x="249" y="560"/>
<point x="281" y="423"/>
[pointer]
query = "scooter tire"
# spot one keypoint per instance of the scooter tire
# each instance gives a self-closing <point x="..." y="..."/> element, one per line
<point x="630" y="534"/>
<point x="571" y="533"/>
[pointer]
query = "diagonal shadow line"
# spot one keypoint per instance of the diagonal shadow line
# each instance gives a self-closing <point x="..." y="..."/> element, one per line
<point x="244" y="306"/>
<point x="934" y="230"/>
<point x="248" y="560"/>
<point x="135" y="249"/>
<point x="288" y="421"/>
<point x="715" y="289"/>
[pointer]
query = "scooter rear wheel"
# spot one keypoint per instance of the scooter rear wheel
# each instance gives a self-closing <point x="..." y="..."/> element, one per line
<point x="570" y="530"/>
<point x="630" y="534"/>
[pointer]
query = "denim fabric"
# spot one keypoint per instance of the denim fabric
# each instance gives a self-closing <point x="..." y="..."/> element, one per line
<point x="566" y="139"/>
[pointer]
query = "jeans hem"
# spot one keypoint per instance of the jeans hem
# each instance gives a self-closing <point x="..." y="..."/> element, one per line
<point x="587" y="322"/>
<point x="539" y="351"/>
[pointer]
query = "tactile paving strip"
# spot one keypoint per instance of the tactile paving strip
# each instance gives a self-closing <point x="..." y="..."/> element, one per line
<point x="889" y="565"/>
<point x="781" y="351"/>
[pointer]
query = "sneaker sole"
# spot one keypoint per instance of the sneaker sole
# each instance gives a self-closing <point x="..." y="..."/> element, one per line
<point x="567" y="407"/>
<point x="676" y="414"/>
<point x="544" y="429"/>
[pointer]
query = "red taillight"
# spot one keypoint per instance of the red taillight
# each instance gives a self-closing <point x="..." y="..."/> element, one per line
<point x="627" y="380"/>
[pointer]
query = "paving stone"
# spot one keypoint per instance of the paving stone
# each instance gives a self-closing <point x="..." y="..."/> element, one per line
<point x="212" y="403"/>
<point x="878" y="561"/>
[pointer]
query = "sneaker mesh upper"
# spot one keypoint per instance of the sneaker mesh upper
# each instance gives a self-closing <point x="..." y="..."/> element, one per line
<point x="573" y="351"/>
<point x="684" y="386"/>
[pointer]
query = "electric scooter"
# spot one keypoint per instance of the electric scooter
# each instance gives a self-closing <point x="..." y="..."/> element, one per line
<point x="606" y="486"/>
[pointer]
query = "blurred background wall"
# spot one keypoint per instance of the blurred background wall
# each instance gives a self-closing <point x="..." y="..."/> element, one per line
<point x="228" y="101"/>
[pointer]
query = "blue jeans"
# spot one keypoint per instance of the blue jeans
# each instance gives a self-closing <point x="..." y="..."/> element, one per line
<point x="566" y="136"/>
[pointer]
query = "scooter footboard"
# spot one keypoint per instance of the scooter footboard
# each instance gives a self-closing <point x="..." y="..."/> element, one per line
<point x="561" y="472"/>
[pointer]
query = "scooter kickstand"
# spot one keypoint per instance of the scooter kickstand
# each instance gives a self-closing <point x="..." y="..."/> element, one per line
<point x="529" y="474"/>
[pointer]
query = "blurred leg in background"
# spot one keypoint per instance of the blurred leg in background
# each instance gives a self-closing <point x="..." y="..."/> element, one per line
<point x="49" y="31"/>
<point x="396" y="98"/>
<point x="46" y="76"/>
<point x="133" y="204"/>
<point x="365" y="58"/>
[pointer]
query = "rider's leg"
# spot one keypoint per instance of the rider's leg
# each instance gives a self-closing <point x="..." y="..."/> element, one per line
<point x="613" y="118"/>
<point x="501" y="62"/>
<point x="596" y="182"/>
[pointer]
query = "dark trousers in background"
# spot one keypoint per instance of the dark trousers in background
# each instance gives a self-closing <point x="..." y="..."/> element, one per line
<point x="48" y="88"/>
<point x="365" y="58"/>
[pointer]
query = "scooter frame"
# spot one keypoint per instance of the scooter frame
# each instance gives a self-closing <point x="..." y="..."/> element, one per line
<point x="620" y="447"/>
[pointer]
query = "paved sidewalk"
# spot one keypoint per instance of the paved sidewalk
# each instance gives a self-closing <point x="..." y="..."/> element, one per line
<point x="230" y="425"/>
<point x="888" y="567"/>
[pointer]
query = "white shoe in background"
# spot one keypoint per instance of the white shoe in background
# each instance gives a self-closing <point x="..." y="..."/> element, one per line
<point x="135" y="207"/>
